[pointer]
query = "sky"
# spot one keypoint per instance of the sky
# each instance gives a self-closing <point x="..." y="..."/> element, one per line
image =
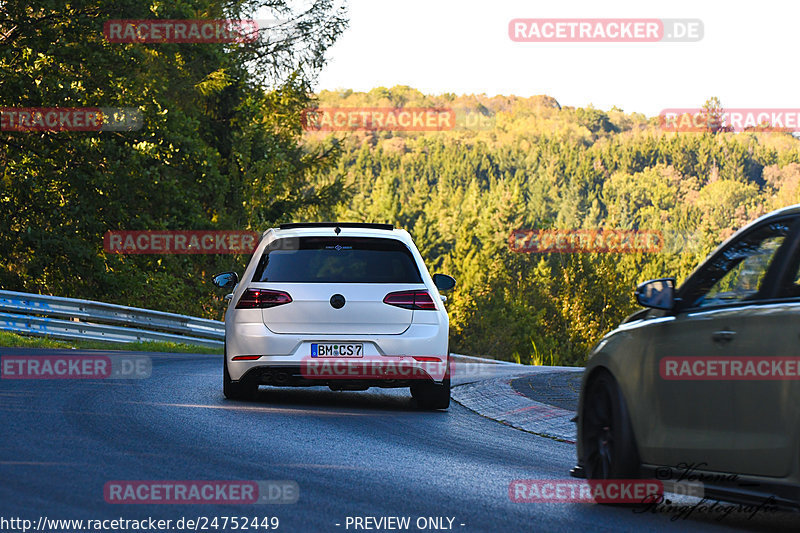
<point x="747" y="56"/>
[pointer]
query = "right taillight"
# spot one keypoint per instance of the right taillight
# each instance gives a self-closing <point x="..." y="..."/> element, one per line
<point x="411" y="300"/>
<point x="262" y="298"/>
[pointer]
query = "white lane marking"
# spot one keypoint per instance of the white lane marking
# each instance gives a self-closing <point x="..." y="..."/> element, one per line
<point x="279" y="410"/>
<point x="38" y="463"/>
<point x="310" y="465"/>
<point x="55" y="411"/>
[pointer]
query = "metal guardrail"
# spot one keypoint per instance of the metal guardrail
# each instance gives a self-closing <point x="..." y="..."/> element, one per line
<point x="71" y="318"/>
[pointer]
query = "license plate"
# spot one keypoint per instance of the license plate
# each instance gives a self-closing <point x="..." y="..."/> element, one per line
<point x="337" y="350"/>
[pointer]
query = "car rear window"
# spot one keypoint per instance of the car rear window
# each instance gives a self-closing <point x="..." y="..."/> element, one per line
<point x="337" y="260"/>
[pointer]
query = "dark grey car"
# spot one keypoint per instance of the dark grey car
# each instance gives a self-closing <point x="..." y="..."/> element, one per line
<point x="706" y="378"/>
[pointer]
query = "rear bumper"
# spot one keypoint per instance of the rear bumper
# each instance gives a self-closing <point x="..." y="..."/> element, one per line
<point x="296" y="376"/>
<point x="393" y="352"/>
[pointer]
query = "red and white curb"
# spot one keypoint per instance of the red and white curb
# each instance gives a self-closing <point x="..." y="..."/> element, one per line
<point x="496" y="399"/>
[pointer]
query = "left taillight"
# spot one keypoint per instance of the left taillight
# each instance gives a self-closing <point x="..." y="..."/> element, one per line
<point x="262" y="298"/>
<point x="411" y="300"/>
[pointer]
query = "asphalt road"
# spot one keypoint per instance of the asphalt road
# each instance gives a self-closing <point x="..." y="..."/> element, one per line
<point x="560" y="389"/>
<point x="351" y="453"/>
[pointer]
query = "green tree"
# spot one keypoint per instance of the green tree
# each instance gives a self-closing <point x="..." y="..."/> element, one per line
<point x="218" y="148"/>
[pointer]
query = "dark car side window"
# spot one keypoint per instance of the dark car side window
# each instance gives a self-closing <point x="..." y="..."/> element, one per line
<point x="742" y="270"/>
<point x="788" y="286"/>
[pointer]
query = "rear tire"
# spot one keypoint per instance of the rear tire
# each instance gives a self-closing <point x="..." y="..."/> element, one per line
<point x="431" y="395"/>
<point x="236" y="390"/>
<point x="609" y="447"/>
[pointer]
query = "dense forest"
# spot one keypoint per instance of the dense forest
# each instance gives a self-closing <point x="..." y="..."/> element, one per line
<point x="460" y="193"/>
<point x="223" y="146"/>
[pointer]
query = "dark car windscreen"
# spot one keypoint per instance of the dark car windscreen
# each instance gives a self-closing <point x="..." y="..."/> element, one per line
<point x="337" y="260"/>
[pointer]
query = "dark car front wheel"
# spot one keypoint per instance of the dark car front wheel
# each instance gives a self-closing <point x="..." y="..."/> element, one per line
<point x="609" y="448"/>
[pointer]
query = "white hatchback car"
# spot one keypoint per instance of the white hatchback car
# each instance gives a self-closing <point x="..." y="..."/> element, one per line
<point x="344" y="305"/>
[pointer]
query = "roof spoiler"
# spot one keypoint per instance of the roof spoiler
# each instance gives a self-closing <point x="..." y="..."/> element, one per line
<point x="296" y="225"/>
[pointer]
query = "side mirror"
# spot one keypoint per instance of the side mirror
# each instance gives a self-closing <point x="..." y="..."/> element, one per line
<point x="444" y="282"/>
<point x="657" y="293"/>
<point x="226" y="280"/>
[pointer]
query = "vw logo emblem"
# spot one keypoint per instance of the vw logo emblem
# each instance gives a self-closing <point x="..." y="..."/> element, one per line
<point x="337" y="301"/>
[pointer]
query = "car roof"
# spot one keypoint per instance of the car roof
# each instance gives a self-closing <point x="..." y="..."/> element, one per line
<point x="789" y="210"/>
